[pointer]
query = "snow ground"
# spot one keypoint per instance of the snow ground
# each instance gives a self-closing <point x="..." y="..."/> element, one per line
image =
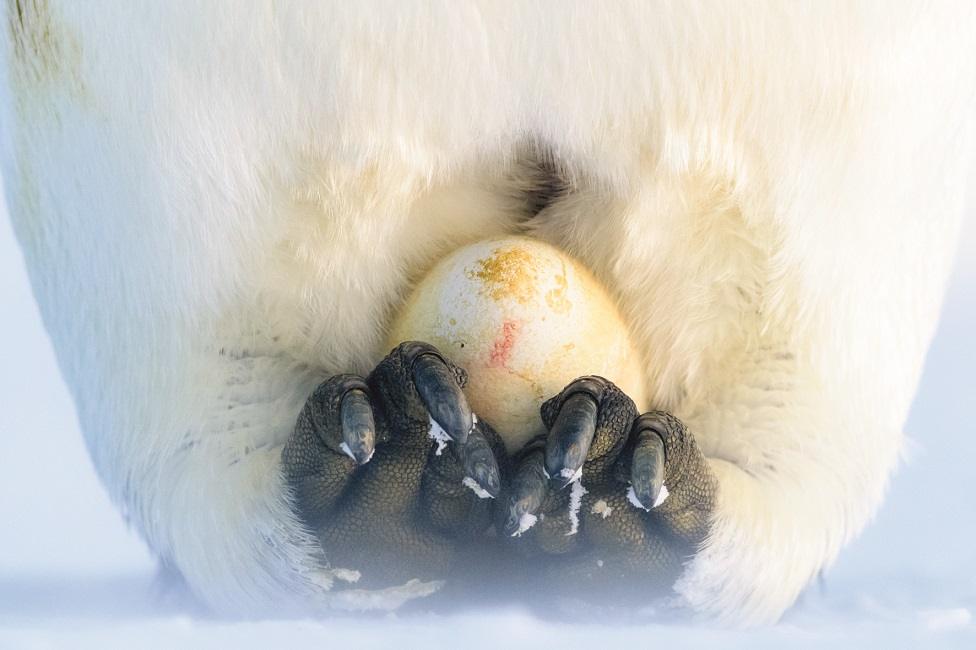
<point x="73" y="576"/>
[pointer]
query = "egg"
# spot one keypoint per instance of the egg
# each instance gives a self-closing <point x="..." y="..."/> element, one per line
<point x="524" y="319"/>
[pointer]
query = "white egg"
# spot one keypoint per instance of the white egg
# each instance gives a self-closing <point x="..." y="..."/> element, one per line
<point x="524" y="319"/>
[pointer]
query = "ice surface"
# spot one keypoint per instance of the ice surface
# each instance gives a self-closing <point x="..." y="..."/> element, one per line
<point x="946" y="619"/>
<point x="388" y="599"/>
<point x="347" y="575"/>
<point x="72" y="575"/>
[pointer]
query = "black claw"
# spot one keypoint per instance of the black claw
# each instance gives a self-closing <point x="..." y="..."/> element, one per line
<point x="647" y="466"/>
<point x="529" y="488"/>
<point x="358" y="426"/>
<point x="480" y="464"/>
<point x="442" y="396"/>
<point x="570" y="438"/>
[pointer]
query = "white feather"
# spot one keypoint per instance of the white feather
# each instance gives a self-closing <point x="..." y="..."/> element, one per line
<point x="218" y="213"/>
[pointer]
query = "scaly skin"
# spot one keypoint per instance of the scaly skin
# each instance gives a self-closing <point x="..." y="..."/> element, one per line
<point x="402" y="512"/>
<point x="633" y="553"/>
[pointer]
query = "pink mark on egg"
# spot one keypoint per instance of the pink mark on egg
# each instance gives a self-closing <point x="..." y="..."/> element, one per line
<point x="501" y="350"/>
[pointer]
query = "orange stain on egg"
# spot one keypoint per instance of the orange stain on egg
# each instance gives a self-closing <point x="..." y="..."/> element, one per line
<point x="501" y="349"/>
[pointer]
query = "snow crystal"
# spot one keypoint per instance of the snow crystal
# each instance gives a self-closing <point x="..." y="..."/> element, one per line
<point x="570" y="474"/>
<point x="946" y="619"/>
<point x="575" y="501"/>
<point x="601" y="508"/>
<point x="477" y="489"/>
<point x="438" y="434"/>
<point x="347" y="575"/>
<point x="526" y="521"/>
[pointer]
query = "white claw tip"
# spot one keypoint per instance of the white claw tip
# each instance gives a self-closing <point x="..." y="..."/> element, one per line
<point x="634" y="501"/>
<point x="477" y="489"/>
<point x="662" y="495"/>
<point x="347" y="451"/>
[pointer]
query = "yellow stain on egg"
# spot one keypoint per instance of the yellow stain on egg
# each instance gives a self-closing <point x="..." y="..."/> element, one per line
<point x="507" y="272"/>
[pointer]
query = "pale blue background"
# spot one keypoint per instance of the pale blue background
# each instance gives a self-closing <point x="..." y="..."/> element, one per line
<point x="72" y="575"/>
